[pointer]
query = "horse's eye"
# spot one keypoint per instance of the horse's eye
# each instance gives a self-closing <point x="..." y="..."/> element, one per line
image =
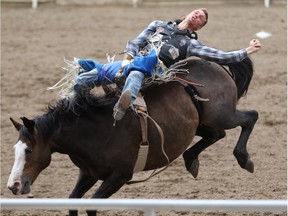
<point x="28" y="151"/>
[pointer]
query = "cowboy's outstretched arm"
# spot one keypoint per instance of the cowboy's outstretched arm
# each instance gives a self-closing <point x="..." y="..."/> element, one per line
<point x="196" y="48"/>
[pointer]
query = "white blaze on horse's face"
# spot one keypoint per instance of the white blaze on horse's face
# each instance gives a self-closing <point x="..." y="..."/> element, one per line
<point x="14" y="181"/>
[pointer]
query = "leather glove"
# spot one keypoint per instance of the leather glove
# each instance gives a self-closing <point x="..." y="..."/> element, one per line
<point x="120" y="79"/>
<point x="120" y="76"/>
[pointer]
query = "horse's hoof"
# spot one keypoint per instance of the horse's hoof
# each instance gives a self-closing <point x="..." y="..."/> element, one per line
<point x="194" y="168"/>
<point x="249" y="166"/>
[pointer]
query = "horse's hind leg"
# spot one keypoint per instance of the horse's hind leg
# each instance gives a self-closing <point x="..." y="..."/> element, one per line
<point x="247" y="120"/>
<point x="209" y="136"/>
<point x="84" y="183"/>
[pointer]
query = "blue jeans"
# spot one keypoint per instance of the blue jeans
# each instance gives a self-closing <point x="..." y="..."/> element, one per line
<point x="88" y="79"/>
<point x="133" y="83"/>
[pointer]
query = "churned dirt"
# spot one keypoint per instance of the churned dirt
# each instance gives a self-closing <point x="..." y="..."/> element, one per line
<point x="34" y="43"/>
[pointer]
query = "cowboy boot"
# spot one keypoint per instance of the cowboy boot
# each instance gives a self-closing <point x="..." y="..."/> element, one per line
<point x="122" y="105"/>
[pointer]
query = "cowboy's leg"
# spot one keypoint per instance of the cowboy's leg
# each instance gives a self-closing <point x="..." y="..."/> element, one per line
<point x="129" y="93"/>
<point x="133" y="84"/>
<point x="88" y="79"/>
<point x="88" y="64"/>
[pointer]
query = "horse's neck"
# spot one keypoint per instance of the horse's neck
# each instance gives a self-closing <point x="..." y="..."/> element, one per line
<point x="83" y="132"/>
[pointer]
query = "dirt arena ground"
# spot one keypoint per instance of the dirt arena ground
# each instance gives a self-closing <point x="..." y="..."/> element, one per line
<point x="34" y="43"/>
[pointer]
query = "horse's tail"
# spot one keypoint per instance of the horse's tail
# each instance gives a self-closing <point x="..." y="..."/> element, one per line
<point x="242" y="75"/>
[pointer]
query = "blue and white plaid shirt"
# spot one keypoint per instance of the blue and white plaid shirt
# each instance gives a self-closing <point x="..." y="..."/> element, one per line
<point x="194" y="48"/>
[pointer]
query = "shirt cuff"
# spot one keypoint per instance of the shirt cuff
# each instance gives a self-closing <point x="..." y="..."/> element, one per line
<point x="243" y="54"/>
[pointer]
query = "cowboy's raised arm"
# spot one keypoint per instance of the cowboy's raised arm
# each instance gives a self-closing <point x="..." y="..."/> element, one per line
<point x="198" y="49"/>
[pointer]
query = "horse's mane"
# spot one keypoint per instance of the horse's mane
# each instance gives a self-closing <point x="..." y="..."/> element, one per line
<point x="242" y="73"/>
<point x="65" y="112"/>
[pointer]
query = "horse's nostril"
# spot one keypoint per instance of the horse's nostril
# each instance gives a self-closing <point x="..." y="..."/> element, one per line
<point x="14" y="190"/>
<point x="16" y="184"/>
<point x="15" y="187"/>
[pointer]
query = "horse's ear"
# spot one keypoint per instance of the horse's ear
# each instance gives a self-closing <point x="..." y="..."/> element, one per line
<point x="29" y="124"/>
<point x="16" y="124"/>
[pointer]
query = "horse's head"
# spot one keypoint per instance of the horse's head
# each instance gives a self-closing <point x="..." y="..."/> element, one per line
<point x="31" y="157"/>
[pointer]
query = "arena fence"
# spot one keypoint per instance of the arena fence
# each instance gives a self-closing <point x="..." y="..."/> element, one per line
<point x="34" y="3"/>
<point x="135" y="3"/>
<point x="149" y="206"/>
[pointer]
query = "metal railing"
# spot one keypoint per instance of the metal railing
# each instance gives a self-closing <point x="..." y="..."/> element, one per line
<point x="148" y="206"/>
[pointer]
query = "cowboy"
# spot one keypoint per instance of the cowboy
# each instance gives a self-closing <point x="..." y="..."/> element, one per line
<point x="174" y="41"/>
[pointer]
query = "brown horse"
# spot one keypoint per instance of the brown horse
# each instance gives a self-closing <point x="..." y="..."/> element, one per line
<point x="83" y="129"/>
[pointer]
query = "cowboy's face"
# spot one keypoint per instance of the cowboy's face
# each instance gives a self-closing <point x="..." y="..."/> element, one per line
<point x="196" y="20"/>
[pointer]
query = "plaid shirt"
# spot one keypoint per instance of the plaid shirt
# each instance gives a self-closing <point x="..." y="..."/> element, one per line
<point x="195" y="48"/>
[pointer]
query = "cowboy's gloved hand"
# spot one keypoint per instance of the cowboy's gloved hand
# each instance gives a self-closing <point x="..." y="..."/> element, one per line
<point x="120" y="76"/>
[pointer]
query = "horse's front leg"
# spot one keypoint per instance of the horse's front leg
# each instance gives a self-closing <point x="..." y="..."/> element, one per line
<point x="209" y="136"/>
<point x="84" y="183"/>
<point x="247" y="121"/>
<point x="112" y="184"/>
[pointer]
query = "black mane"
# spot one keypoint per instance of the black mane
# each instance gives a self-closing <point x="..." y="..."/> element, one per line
<point x="65" y="113"/>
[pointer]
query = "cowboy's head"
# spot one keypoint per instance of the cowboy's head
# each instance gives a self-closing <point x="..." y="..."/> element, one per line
<point x="197" y="19"/>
